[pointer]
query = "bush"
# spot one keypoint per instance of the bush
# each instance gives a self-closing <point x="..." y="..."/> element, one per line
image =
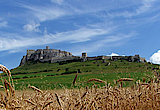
<point x="68" y="72"/>
<point x="58" y="70"/>
<point x="47" y="70"/>
<point x="67" y="69"/>
<point x="79" y="71"/>
<point x="25" y="77"/>
<point x="63" y="62"/>
<point x="16" y="78"/>
<point x="88" y="71"/>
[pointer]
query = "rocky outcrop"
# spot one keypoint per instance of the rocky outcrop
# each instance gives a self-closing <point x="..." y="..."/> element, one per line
<point x="46" y="55"/>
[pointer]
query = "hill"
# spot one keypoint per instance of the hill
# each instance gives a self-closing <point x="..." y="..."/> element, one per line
<point x="139" y="96"/>
<point x="54" y="55"/>
<point x="58" y="75"/>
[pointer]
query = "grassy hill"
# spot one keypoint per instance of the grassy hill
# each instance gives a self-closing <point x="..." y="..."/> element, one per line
<point x="61" y="75"/>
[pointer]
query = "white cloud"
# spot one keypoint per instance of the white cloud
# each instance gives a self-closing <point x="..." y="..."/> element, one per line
<point x="82" y="35"/>
<point x="103" y="44"/>
<point x="75" y="36"/>
<point x="113" y="54"/>
<point x="44" y="13"/>
<point x="3" y="24"/>
<point x="59" y="2"/>
<point x="32" y="27"/>
<point x="145" y="6"/>
<point x="115" y="40"/>
<point x="45" y="31"/>
<point x="52" y="12"/>
<point x="155" y="58"/>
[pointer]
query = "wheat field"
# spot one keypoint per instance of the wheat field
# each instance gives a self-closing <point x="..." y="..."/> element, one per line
<point x="141" y="96"/>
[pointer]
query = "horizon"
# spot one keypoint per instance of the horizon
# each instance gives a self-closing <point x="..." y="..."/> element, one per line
<point x="96" y="27"/>
<point x="112" y="54"/>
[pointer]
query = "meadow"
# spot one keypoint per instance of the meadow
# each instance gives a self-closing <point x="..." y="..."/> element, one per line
<point x="142" y="95"/>
<point x="60" y="75"/>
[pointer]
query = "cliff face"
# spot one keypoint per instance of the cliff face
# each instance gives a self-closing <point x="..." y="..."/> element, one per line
<point x="46" y="55"/>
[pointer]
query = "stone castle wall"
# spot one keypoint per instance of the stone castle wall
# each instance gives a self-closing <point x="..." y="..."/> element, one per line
<point x="53" y="55"/>
<point x="46" y="55"/>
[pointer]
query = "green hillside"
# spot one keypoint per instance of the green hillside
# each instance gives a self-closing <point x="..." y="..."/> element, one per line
<point x="59" y="75"/>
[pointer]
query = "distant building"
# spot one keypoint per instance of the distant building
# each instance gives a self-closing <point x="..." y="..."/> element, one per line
<point x="47" y="47"/>
<point x="84" y="55"/>
<point x="46" y="55"/>
<point x="53" y="55"/>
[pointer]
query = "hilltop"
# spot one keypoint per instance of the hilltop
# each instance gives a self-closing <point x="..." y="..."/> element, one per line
<point x="46" y="55"/>
<point x="51" y="68"/>
<point x="53" y="75"/>
<point x="54" y="55"/>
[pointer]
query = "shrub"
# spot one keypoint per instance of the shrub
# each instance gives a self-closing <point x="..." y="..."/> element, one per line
<point x="25" y="77"/>
<point x="67" y="69"/>
<point x="16" y="78"/>
<point x="68" y="72"/>
<point x="58" y="70"/>
<point x="79" y="71"/>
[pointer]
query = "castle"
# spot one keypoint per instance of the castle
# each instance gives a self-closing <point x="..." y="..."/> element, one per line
<point x="47" y="55"/>
<point x="53" y="56"/>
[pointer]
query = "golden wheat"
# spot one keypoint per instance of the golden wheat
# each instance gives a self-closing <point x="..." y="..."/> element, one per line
<point x="125" y="79"/>
<point x="94" y="79"/>
<point x="36" y="89"/>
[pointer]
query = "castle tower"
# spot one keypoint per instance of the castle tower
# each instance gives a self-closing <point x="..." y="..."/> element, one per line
<point x="84" y="55"/>
<point x="47" y="47"/>
<point x="29" y="52"/>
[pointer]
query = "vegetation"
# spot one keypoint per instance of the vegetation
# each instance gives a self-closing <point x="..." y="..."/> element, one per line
<point x="58" y="75"/>
<point x="141" y="95"/>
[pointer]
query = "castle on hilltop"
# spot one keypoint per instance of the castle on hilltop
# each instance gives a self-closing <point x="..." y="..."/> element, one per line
<point x="47" y="55"/>
<point x="53" y="56"/>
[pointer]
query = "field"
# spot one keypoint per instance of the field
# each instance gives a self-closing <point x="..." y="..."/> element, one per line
<point x="61" y="75"/>
<point x="140" y="96"/>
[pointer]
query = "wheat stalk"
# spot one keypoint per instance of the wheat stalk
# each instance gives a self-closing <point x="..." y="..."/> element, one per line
<point x="94" y="79"/>
<point x="7" y="71"/>
<point x="83" y="95"/>
<point x="2" y="99"/>
<point x="36" y="89"/>
<point x="6" y="83"/>
<point x="29" y="101"/>
<point x="144" y="84"/>
<point x="58" y="99"/>
<point x="1" y="86"/>
<point x="125" y="79"/>
<point x="47" y="104"/>
<point x="75" y="78"/>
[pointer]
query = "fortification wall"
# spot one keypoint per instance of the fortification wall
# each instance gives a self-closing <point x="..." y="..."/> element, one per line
<point x="29" y="52"/>
<point x="53" y="55"/>
<point x="46" y="55"/>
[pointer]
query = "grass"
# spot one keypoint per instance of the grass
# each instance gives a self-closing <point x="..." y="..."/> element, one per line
<point x="56" y="75"/>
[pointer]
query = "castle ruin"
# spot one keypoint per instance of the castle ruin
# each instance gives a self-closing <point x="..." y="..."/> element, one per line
<point x="47" y="55"/>
<point x="53" y="56"/>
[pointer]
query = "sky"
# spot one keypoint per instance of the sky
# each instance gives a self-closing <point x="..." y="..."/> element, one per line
<point x="98" y="27"/>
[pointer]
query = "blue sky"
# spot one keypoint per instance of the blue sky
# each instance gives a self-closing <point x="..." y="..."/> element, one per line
<point x="98" y="27"/>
